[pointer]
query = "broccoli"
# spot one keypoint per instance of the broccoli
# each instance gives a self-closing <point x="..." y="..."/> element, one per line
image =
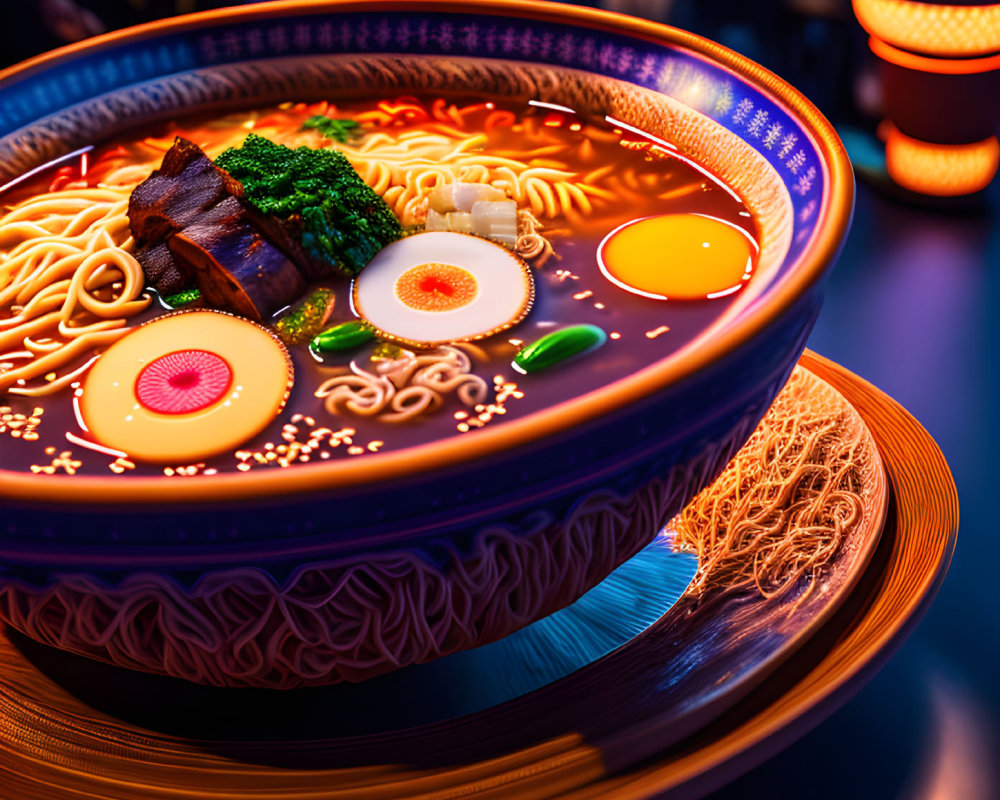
<point x="340" y="220"/>
<point x="339" y="129"/>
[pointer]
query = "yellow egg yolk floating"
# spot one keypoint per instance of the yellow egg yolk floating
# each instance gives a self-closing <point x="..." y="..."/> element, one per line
<point x="185" y="387"/>
<point x="439" y="287"/>
<point x="678" y="257"/>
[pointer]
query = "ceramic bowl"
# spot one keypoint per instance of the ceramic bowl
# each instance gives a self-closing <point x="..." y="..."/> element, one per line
<point x="341" y="570"/>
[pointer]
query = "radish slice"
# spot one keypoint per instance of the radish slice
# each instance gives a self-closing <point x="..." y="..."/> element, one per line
<point x="182" y="382"/>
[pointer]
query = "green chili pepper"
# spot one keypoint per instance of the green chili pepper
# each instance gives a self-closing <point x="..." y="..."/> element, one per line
<point x="558" y="346"/>
<point x="345" y="336"/>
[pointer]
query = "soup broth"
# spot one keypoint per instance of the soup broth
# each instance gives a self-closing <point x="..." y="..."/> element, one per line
<point x="611" y="249"/>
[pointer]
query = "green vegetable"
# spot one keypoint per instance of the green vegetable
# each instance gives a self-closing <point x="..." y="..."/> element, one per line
<point x="342" y="221"/>
<point x="182" y="299"/>
<point x="389" y="351"/>
<point x="340" y="130"/>
<point x="345" y="336"/>
<point x="558" y="346"/>
<point x="307" y="319"/>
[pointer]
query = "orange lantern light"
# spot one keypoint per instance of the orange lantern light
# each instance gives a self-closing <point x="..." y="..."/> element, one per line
<point x="940" y="77"/>
<point x="933" y="29"/>
<point x="944" y="170"/>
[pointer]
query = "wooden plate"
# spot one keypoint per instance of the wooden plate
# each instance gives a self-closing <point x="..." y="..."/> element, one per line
<point x="913" y="556"/>
<point x="582" y="736"/>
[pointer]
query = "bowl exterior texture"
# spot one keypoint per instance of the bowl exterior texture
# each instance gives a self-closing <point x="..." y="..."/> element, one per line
<point x="344" y="582"/>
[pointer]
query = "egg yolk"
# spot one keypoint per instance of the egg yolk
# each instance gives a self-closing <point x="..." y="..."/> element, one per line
<point x="159" y="395"/>
<point x="678" y="257"/>
<point x="436" y="287"/>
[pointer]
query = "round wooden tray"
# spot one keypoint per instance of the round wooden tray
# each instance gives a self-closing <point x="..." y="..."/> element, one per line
<point x="53" y="745"/>
<point x="913" y="556"/>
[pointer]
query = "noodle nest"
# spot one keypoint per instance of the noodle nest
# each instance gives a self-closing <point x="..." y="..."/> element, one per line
<point x="68" y="285"/>
<point x="402" y="389"/>
<point x="784" y="506"/>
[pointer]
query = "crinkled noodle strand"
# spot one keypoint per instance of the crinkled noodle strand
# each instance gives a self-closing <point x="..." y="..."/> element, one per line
<point x="403" y="389"/>
<point x="68" y="285"/>
<point x="782" y="508"/>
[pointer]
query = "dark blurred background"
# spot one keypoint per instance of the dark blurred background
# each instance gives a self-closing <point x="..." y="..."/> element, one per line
<point x="912" y="307"/>
<point x="817" y="41"/>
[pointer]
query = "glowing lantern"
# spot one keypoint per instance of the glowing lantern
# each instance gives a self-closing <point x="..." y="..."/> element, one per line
<point x="939" y="169"/>
<point x="940" y="76"/>
<point x="932" y="28"/>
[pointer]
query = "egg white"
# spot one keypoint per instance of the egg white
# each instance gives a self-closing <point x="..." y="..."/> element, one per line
<point x="504" y="295"/>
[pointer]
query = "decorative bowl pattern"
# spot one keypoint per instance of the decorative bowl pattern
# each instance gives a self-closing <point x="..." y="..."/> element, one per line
<point x="335" y="572"/>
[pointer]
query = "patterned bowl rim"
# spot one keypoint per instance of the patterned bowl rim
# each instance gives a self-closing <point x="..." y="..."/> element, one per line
<point x="832" y="223"/>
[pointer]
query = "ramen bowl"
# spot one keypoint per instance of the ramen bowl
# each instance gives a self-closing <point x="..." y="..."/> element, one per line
<point x="345" y="568"/>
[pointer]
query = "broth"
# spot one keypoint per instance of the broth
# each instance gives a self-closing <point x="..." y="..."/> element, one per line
<point x="581" y="182"/>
